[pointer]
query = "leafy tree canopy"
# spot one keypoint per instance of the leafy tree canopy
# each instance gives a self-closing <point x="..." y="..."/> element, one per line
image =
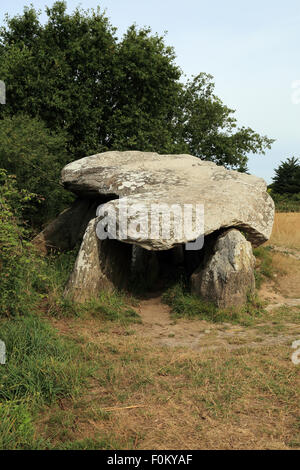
<point x="76" y="76"/>
<point x="34" y="155"/>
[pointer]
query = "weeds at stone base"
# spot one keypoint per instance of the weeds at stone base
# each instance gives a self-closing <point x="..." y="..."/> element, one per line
<point x="184" y="304"/>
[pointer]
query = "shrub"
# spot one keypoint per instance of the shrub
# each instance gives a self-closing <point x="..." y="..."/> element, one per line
<point x="35" y="156"/>
<point x="286" y="202"/>
<point x="21" y="269"/>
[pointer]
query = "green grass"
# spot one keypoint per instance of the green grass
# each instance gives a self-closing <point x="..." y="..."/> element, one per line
<point x="41" y="368"/>
<point x="184" y="304"/>
<point x="111" y="306"/>
<point x="40" y="364"/>
<point x="265" y="268"/>
<point x="108" y="306"/>
<point x="286" y="202"/>
<point x="16" y="427"/>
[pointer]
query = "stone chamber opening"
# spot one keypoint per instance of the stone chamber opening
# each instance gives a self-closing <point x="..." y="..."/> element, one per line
<point x="154" y="271"/>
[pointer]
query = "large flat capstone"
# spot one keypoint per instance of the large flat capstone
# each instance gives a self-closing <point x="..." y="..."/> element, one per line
<point x="230" y="199"/>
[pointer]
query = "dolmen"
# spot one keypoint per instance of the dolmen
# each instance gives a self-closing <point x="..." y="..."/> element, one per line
<point x="143" y="214"/>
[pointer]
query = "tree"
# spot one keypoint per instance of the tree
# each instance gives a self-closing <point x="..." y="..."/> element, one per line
<point x="74" y="75"/>
<point x="60" y="72"/>
<point x="34" y="155"/>
<point x="287" y="177"/>
<point x="208" y="129"/>
<point x="144" y="97"/>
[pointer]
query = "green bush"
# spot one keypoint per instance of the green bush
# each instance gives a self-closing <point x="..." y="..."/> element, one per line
<point x="35" y="156"/>
<point x="22" y="276"/>
<point x="286" y="202"/>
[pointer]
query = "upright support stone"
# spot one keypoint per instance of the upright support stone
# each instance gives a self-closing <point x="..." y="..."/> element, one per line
<point x="68" y="228"/>
<point x="226" y="277"/>
<point x="100" y="265"/>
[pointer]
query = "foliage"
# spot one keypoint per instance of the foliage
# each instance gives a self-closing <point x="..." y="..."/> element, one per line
<point x="105" y="94"/>
<point x="21" y="269"/>
<point x="61" y="72"/>
<point x="144" y="94"/>
<point x="286" y="202"/>
<point x="35" y="156"/>
<point x="209" y="130"/>
<point x="287" y="177"/>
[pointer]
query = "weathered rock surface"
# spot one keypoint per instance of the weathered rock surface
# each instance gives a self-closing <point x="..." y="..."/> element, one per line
<point x="100" y="265"/>
<point x="68" y="228"/>
<point x="2" y="352"/>
<point x="230" y="199"/>
<point x="226" y="277"/>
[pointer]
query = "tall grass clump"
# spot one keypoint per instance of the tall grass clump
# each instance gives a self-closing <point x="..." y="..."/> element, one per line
<point x="16" y="427"/>
<point x="40" y="364"/>
<point x="40" y="369"/>
<point x="112" y="306"/>
<point x="264" y="266"/>
<point x="185" y="304"/>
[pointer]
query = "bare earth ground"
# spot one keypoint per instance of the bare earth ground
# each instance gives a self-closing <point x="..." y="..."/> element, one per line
<point x="201" y="335"/>
<point x="191" y="384"/>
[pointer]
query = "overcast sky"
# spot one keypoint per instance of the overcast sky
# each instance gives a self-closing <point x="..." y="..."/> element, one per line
<point x="251" y="49"/>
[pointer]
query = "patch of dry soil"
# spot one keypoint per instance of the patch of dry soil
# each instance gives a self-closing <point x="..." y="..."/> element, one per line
<point x="200" y="334"/>
<point x="158" y="325"/>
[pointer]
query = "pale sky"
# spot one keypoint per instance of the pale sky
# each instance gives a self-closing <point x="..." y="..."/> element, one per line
<point x="251" y="49"/>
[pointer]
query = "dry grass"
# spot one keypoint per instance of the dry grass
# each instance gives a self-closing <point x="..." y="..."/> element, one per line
<point x="244" y="395"/>
<point x="143" y="396"/>
<point x="286" y="230"/>
<point x="287" y="280"/>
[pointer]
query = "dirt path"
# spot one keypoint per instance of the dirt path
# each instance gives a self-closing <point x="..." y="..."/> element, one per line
<point x="158" y="324"/>
<point x="286" y="251"/>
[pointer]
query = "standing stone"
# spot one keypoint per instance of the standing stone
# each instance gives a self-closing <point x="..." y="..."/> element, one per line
<point x="100" y="265"/>
<point x="226" y="277"/>
<point x="64" y="232"/>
